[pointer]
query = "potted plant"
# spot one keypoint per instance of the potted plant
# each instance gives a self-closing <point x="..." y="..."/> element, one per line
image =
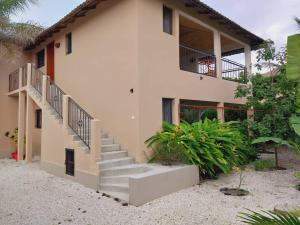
<point x="14" y="138"/>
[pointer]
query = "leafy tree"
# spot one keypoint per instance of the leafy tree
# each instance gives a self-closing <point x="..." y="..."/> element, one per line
<point x="271" y="96"/>
<point x="14" y="35"/>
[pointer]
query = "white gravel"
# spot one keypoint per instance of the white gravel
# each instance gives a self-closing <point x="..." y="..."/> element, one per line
<point x="30" y="196"/>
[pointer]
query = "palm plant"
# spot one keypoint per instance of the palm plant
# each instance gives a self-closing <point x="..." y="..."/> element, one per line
<point x="15" y="35"/>
<point x="209" y="144"/>
<point x="269" y="218"/>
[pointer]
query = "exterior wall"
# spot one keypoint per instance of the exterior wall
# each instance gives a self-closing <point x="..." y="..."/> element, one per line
<point x="8" y="106"/>
<point x="160" y="76"/>
<point x="102" y="68"/>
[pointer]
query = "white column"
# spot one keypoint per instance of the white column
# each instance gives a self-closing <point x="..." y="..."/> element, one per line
<point x="176" y="111"/>
<point x="21" y="124"/>
<point x="29" y="68"/>
<point x="95" y="140"/>
<point x="20" y="77"/>
<point x="218" y="53"/>
<point x="248" y="60"/>
<point x="220" y="112"/>
<point x="29" y="128"/>
<point x="66" y="111"/>
<point x="44" y="89"/>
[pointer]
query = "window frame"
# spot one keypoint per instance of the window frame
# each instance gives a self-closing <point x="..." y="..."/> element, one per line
<point x="168" y="20"/>
<point x="169" y="103"/>
<point x="69" y="43"/>
<point x="38" y="119"/>
<point x="40" y="58"/>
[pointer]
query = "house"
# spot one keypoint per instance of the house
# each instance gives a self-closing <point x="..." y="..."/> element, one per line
<point x="90" y="89"/>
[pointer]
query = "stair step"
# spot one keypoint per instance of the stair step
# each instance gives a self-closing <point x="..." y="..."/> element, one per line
<point x="113" y="155"/>
<point x="124" y="170"/>
<point x="114" y="187"/>
<point x="123" y="197"/>
<point x="115" y="180"/>
<point x="107" y="141"/>
<point x="105" y="164"/>
<point x="110" y="148"/>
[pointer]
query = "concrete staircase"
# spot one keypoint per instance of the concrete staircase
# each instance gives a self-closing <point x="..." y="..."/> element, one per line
<point x="116" y="167"/>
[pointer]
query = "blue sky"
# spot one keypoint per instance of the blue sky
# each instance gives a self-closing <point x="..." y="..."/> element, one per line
<point x="267" y="18"/>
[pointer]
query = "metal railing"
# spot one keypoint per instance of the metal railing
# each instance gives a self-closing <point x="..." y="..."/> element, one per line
<point x="37" y="79"/>
<point x="14" y="81"/>
<point x="54" y="96"/>
<point x="196" y="61"/>
<point x="233" y="71"/>
<point x="80" y="122"/>
<point x="24" y="75"/>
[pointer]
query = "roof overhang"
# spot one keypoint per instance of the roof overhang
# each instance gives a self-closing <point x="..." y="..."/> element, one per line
<point x="200" y="7"/>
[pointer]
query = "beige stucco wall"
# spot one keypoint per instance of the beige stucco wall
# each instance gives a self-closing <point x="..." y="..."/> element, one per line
<point x="102" y="68"/>
<point x="159" y="73"/>
<point x="118" y="47"/>
<point x="8" y="106"/>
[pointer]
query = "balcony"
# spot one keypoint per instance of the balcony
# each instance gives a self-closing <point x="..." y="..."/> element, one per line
<point x="203" y="51"/>
<point x="18" y="79"/>
<point x="200" y="62"/>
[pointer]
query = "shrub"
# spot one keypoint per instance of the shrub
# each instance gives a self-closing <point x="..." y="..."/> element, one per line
<point x="210" y="144"/>
<point x="263" y="165"/>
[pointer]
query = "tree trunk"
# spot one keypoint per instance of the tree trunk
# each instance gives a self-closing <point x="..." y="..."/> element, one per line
<point x="276" y="157"/>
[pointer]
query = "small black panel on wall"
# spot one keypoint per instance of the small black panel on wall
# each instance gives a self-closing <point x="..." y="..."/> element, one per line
<point x="70" y="162"/>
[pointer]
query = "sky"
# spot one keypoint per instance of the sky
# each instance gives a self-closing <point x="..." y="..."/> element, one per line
<point x="270" y="19"/>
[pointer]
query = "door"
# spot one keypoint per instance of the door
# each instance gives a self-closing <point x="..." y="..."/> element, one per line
<point x="50" y="60"/>
<point x="70" y="164"/>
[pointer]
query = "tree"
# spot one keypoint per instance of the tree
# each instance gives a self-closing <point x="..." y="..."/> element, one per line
<point x="15" y="35"/>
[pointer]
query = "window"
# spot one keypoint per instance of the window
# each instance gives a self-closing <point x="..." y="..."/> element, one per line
<point x="69" y="43"/>
<point x="167" y="20"/>
<point x="40" y="58"/>
<point x="38" y="118"/>
<point x="167" y="110"/>
<point x="70" y="162"/>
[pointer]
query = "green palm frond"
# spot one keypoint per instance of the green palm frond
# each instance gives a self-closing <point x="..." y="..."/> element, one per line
<point x="8" y="7"/>
<point x="269" y="218"/>
<point x="297" y="21"/>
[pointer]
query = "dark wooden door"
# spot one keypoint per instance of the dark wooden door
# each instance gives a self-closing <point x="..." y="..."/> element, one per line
<point x="70" y="163"/>
<point x="50" y="60"/>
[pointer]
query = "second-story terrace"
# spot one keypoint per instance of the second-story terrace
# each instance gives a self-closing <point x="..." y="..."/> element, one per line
<point x="204" y="51"/>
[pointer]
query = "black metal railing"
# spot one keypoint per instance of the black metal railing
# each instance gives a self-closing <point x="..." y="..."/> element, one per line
<point x="233" y="71"/>
<point x="37" y="79"/>
<point x="80" y="122"/>
<point x="196" y="61"/>
<point x="24" y="75"/>
<point x="14" y="81"/>
<point x="54" y="96"/>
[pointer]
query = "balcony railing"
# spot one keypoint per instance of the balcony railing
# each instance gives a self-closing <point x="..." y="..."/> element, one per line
<point x="37" y="79"/>
<point x="80" y="122"/>
<point x="196" y="61"/>
<point x="14" y="81"/>
<point x="54" y="96"/>
<point x="233" y="71"/>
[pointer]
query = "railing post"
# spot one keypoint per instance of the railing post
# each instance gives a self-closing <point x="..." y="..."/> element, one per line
<point x="220" y="112"/>
<point x="218" y="53"/>
<point x="95" y="140"/>
<point x="29" y="68"/>
<point x="20" y="77"/>
<point x="44" y="89"/>
<point x="65" y="109"/>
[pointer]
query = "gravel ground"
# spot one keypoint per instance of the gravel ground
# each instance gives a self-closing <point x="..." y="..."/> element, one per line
<point x="30" y="196"/>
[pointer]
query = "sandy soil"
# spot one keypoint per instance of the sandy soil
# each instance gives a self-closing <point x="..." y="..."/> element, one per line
<point x="30" y="196"/>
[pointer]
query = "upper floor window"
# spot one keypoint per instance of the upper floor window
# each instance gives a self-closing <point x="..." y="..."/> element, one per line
<point x="167" y="20"/>
<point x="69" y="43"/>
<point x="40" y="56"/>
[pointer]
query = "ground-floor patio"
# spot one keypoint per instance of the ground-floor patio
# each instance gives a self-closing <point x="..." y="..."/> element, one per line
<point x="30" y="196"/>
